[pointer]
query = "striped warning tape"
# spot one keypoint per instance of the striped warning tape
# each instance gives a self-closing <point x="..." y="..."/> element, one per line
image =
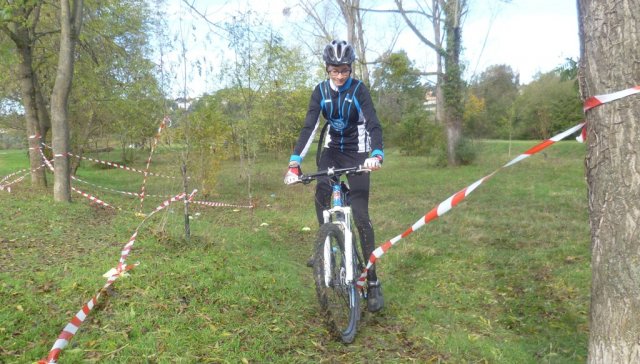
<point x="103" y="203"/>
<point x="126" y="193"/>
<point x="220" y="204"/>
<point x="94" y="199"/>
<point x="122" y="268"/>
<point x="72" y="327"/>
<point x="90" y="197"/>
<point x="133" y="194"/>
<point x="6" y="186"/>
<point x="114" y="164"/>
<point x="153" y="148"/>
<point x="127" y="248"/>
<point x="595" y="101"/>
<point x="456" y="198"/>
<point x="12" y="174"/>
<point x="598" y="100"/>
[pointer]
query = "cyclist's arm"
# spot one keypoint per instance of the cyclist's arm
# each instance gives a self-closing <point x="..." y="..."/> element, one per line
<point x="311" y="122"/>
<point x="374" y="129"/>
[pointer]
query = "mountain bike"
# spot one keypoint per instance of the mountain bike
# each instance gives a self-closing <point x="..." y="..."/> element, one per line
<point x="338" y="262"/>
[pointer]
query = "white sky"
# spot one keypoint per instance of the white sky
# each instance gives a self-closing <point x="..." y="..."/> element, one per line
<point x="531" y="36"/>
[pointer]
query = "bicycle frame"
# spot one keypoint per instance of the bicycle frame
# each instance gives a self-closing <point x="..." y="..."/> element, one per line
<point x="342" y="217"/>
<point x="336" y="264"/>
<point x="345" y="223"/>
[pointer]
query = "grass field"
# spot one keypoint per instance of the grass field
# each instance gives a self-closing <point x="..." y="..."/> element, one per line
<point x="502" y="278"/>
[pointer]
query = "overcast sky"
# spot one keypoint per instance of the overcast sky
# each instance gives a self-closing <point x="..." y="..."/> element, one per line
<point x="531" y="36"/>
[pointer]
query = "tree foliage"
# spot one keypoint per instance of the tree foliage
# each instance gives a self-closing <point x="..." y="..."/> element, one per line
<point x="399" y="98"/>
<point x="497" y="89"/>
<point x="546" y="106"/>
<point x="498" y="107"/>
<point x="116" y="89"/>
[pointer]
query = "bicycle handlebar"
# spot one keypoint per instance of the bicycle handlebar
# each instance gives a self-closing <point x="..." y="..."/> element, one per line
<point x="331" y="172"/>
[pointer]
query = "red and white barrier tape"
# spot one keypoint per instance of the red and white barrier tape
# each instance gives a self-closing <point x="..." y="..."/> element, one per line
<point x="94" y="199"/>
<point x="72" y="327"/>
<point x="598" y="100"/>
<point x="114" y="164"/>
<point x="105" y="204"/>
<point x="12" y="174"/>
<point x="456" y="198"/>
<point x="153" y="148"/>
<point x="90" y="197"/>
<point x="126" y="193"/>
<point x="45" y="160"/>
<point x="7" y="185"/>
<point x="133" y="194"/>
<point x="220" y="204"/>
<point x="127" y="248"/>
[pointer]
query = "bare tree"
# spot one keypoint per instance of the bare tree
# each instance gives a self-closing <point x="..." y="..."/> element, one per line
<point x="70" y="24"/>
<point x="355" y="34"/>
<point x="353" y="15"/>
<point x="445" y="17"/>
<point x="610" y="50"/>
<point x="433" y="13"/>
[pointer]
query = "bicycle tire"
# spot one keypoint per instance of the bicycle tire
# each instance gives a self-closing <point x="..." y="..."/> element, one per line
<point x="340" y="302"/>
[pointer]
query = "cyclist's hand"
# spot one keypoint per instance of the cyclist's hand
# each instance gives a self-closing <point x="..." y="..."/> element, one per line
<point x="293" y="174"/>
<point x="373" y="163"/>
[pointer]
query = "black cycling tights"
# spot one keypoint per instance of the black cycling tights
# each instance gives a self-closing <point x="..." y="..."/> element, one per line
<point x="359" y="196"/>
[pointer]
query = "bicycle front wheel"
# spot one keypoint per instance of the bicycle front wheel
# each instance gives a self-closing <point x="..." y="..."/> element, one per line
<point x="339" y="299"/>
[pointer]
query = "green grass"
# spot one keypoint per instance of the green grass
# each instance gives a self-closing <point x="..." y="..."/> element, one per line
<point x="502" y="278"/>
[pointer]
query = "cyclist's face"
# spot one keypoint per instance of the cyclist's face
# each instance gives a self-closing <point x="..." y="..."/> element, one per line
<point x="339" y="74"/>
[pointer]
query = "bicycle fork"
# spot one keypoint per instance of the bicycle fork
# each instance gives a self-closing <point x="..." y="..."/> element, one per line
<point x="347" y="272"/>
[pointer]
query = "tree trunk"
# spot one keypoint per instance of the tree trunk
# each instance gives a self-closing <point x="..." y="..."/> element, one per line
<point x="453" y="85"/>
<point x="38" y="177"/>
<point x="449" y="88"/>
<point x="610" y="47"/>
<point x="350" y="10"/>
<point x="70" y="25"/>
<point x="436" y="22"/>
<point x="21" y="30"/>
<point x="43" y="112"/>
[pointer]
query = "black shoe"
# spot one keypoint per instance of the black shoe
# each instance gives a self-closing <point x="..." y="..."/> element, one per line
<point x="375" y="301"/>
<point x="310" y="262"/>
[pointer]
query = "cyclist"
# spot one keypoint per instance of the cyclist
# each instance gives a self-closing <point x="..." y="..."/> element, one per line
<point x="354" y="138"/>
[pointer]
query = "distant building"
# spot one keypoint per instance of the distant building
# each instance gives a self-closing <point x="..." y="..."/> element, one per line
<point x="429" y="101"/>
<point x="185" y="104"/>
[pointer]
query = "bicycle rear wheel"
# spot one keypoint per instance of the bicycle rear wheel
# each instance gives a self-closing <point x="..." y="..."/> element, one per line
<point x="339" y="300"/>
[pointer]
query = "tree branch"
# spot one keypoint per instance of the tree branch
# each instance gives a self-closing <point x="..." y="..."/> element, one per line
<point x="395" y="11"/>
<point x="415" y="29"/>
<point x="203" y="16"/>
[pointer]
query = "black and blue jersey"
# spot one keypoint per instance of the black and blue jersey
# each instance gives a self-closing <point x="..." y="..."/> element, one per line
<point x="353" y="124"/>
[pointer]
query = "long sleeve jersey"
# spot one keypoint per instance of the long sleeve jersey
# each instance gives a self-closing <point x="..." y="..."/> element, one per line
<point x="353" y="123"/>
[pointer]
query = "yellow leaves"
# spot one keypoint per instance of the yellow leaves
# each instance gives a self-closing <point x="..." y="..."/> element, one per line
<point x="473" y="107"/>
